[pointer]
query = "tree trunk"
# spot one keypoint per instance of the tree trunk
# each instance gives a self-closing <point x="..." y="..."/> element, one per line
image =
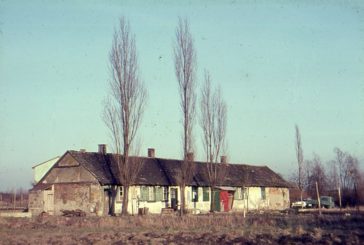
<point x="124" y="210"/>
<point x="183" y="201"/>
<point x="212" y="200"/>
<point x="114" y="192"/>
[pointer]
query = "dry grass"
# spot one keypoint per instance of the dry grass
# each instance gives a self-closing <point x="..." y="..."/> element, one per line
<point x="194" y="229"/>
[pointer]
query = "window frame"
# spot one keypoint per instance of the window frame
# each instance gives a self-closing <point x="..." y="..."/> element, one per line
<point x="120" y="193"/>
<point x="205" y="193"/>
<point x="194" y="190"/>
<point x="263" y="193"/>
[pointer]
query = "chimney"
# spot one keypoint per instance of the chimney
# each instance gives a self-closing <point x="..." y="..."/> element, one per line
<point x="223" y="159"/>
<point x="190" y="156"/>
<point x="151" y="152"/>
<point x="102" y="148"/>
<point x="83" y="150"/>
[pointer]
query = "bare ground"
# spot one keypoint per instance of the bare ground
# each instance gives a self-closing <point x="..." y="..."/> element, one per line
<point x="197" y="229"/>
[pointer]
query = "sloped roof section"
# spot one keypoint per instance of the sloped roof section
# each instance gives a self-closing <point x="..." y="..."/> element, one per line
<point x="164" y="172"/>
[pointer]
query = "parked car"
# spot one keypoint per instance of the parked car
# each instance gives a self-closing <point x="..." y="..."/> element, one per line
<point x="306" y="203"/>
<point x="299" y="204"/>
<point x="327" y="202"/>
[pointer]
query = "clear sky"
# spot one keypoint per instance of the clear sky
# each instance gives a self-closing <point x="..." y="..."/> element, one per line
<point x="278" y="64"/>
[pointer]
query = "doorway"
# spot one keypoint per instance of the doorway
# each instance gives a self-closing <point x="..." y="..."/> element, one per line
<point x="174" y="198"/>
<point x="107" y="202"/>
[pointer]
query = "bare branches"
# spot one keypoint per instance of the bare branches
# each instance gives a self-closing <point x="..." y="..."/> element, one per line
<point x="124" y="109"/>
<point x="185" y="67"/>
<point x="213" y="124"/>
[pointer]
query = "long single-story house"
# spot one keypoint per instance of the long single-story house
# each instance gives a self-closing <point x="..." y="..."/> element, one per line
<point x="83" y="180"/>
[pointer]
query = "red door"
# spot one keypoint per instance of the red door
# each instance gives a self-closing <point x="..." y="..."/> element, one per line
<point x="224" y="198"/>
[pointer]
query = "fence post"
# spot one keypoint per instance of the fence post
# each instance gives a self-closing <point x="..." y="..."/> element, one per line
<point x="318" y="198"/>
<point x="14" y="199"/>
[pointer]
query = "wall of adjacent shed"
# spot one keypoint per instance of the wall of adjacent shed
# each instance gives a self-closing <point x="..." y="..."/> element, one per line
<point x="36" y="202"/>
<point x="40" y="170"/>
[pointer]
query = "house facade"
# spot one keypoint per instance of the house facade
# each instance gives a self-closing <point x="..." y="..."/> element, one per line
<point x="87" y="180"/>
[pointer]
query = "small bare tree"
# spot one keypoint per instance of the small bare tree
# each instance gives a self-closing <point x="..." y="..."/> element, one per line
<point x="213" y="123"/>
<point x="317" y="174"/>
<point x="185" y="68"/>
<point x="124" y="109"/>
<point x="299" y="155"/>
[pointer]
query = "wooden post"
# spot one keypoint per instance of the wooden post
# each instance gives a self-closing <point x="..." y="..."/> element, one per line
<point x="318" y="198"/>
<point x="339" y="190"/>
<point x="14" y="199"/>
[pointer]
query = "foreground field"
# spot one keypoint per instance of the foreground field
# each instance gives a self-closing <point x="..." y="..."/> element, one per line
<point x="204" y="229"/>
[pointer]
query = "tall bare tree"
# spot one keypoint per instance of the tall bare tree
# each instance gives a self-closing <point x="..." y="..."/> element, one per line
<point x="213" y="123"/>
<point x="185" y="68"/>
<point x="124" y="109"/>
<point x="299" y="155"/>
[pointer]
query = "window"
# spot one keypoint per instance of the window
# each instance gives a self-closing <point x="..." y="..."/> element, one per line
<point x="144" y="193"/>
<point x="165" y="193"/>
<point x="205" y="194"/>
<point x="194" y="194"/>
<point x="159" y="194"/>
<point x="153" y="193"/>
<point x="120" y="194"/>
<point x="244" y="193"/>
<point x="238" y="194"/>
<point x="262" y="192"/>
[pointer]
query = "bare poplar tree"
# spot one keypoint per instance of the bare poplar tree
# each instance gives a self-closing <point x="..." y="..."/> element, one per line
<point x="213" y="123"/>
<point x="124" y="109"/>
<point x="299" y="155"/>
<point x="185" y="68"/>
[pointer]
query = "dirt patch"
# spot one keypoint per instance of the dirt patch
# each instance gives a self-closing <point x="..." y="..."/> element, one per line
<point x="197" y="229"/>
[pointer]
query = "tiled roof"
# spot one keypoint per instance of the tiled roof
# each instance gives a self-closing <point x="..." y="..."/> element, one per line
<point x="159" y="171"/>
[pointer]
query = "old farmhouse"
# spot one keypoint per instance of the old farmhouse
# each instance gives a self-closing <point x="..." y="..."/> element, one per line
<point x="83" y="180"/>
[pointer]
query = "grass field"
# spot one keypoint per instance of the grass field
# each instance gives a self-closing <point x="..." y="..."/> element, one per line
<point x="192" y="229"/>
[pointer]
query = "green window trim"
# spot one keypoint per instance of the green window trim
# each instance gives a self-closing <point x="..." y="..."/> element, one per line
<point x="152" y="193"/>
<point x="263" y="193"/>
<point x="205" y="194"/>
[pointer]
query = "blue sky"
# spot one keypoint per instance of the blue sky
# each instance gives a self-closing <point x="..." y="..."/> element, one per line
<point x="278" y="64"/>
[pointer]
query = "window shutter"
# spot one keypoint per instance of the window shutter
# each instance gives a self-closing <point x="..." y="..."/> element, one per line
<point x="205" y="194"/>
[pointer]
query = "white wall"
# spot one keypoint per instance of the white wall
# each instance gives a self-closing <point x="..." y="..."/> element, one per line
<point x="41" y="169"/>
<point x="276" y="198"/>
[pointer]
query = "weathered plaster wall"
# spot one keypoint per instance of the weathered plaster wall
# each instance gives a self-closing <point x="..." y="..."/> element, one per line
<point x="86" y="197"/>
<point x="276" y="199"/>
<point x="36" y="204"/>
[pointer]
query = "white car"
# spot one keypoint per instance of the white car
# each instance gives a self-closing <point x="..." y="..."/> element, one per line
<point x="299" y="204"/>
